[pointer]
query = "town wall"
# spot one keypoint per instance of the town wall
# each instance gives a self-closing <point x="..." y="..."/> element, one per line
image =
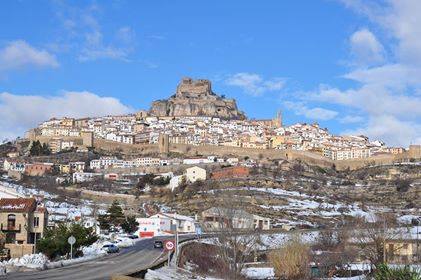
<point x="414" y="151"/>
<point x="268" y="154"/>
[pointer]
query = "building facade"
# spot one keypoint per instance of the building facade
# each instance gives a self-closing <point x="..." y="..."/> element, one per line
<point x="23" y="221"/>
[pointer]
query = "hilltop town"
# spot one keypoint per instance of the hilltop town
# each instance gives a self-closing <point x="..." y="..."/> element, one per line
<point x="196" y="116"/>
<point x="195" y="165"/>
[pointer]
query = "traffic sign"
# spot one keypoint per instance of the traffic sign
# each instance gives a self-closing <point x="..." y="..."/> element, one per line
<point x="169" y="245"/>
<point x="71" y="240"/>
<point x="198" y="230"/>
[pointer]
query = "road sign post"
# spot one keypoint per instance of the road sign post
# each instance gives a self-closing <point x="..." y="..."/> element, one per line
<point x="169" y="246"/>
<point x="71" y="240"/>
<point x="198" y="231"/>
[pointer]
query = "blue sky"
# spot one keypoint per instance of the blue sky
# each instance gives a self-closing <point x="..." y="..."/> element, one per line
<point x="349" y="65"/>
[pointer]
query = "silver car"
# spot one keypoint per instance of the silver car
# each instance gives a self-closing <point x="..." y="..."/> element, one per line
<point x="110" y="248"/>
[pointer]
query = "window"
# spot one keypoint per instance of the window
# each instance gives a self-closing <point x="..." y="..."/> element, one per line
<point x="36" y="221"/>
<point x="11" y="221"/>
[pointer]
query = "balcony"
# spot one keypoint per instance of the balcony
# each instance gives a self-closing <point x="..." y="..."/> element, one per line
<point x="10" y="228"/>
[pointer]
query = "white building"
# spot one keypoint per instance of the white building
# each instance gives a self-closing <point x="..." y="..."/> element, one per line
<point x="195" y="173"/>
<point x="79" y="177"/>
<point x="147" y="161"/>
<point x="102" y="162"/>
<point x="190" y="161"/>
<point x="216" y="218"/>
<point x="165" y="223"/>
<point x="175" y="182"/>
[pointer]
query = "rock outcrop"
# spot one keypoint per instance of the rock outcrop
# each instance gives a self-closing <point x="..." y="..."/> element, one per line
<point x="196" y="98"/>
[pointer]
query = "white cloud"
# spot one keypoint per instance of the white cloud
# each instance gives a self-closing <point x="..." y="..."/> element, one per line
<point x="400" y="19"/>
<point x="390" y="129"/>
<point x="351" y="119"/>
<point x="84" y="32"/>
<point x="19" y="54"/>
<point x="316" y="113"/>
<point x="254" y="84"/>
<point x="365" y="48"/>
<point x="18" y="113"/>
<point x="372" y="99"/>
<point x="386" y="86"/>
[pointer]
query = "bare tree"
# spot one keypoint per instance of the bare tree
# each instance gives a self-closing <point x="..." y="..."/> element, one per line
<point x="332" y="251"/>
<point x="370" y="238"/>
<point x="236" y="238"/>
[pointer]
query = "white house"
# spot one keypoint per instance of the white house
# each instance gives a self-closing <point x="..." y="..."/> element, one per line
<point x="190" y="161"/>
<point x="79" y="177"/>
<point x="184" y="224"/>
<point x="216" y="218"/>
<point x="195" y="173"/>
<point x="232" y="161"/>
<point x="165" y="223"/>
<point x="152" y="226"/>
<point x="175" y="182"/>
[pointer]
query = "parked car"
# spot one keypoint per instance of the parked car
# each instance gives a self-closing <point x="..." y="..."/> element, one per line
<point x="133" y="236"/>
<point x="158" y="244"/>
<point x="110" y="248"/>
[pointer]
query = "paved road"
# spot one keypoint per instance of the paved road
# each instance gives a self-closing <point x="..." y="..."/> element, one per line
<point x="139" y="256"/>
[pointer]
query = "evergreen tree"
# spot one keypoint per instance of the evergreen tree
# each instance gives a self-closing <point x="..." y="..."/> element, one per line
<point x="35" y="148"/>
<point x="113" y="217"/>
<point x="104" y="222"/>
<point x="45" y="150"/>
<point x="115" y="213"/>
<point x="130" y="225"/>
<point x="38" y="149"/>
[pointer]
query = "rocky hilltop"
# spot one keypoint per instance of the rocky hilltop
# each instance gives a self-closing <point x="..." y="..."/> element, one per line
<point x="196" y="98"/>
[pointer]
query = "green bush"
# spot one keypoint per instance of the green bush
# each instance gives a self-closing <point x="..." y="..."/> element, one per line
<point x="54" y="243"/>
<point x="385" y="272"/>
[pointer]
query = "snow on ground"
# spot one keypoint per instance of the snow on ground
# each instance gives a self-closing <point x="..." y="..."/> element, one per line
<point x="307" y="205"/>
<point x="259" y="272"/>
<point x="407" y="219"/>
<point x="58" y="211"/>
<point x="40" y="261"/>
<point x="362" y="277"/>
<point x="302" y="204"/>
<point x="34" y="261"/>
<point x="276" y="240"/>
<point x="172" y="273"/>
<point x="26" y="191"/>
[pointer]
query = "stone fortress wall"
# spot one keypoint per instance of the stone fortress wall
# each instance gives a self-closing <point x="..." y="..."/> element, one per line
<point x="414" y="152"/>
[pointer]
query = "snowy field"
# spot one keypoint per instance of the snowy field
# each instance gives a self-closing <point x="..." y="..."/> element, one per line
<point x="296" y="208"/>
<point x="58" y="211"/>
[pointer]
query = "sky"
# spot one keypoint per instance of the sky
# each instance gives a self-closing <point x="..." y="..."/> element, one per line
<point x="353" y="66"/>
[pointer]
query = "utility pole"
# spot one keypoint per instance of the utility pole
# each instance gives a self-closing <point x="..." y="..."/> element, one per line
<point x="384" y="240"/>
<point x="176" y="238"/>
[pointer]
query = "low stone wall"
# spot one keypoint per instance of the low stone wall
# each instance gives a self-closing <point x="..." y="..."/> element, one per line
<point x="18" y="250"/>
<point x="103" y="196"/>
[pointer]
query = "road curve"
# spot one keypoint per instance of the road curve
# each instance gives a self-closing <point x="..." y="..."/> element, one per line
<point x="140" y="256"/>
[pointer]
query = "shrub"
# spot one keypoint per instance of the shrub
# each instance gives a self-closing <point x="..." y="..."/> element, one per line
<point x="402" y="185"/>
<point x="291" y="261"/>
<point x="385" y="272"/>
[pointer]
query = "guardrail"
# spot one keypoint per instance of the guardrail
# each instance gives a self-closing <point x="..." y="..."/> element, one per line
<point x="157" y="263"/>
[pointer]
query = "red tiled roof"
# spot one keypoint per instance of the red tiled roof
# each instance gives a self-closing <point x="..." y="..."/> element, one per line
<point x="17" y="204"/>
